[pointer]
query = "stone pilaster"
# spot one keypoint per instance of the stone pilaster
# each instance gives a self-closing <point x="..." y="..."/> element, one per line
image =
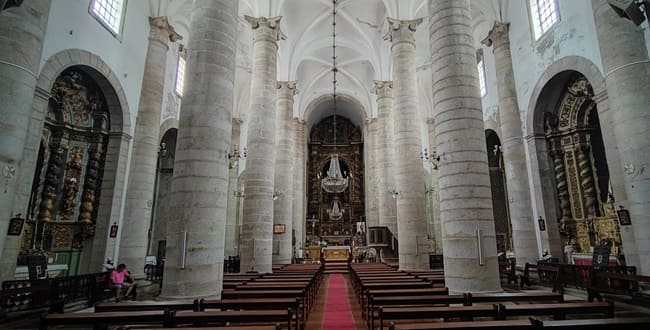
<point x="411" y="217"/>
<point x="257" y="225"/>
<point x="284" y="171"/>
<point x="200" y="179"/>
<point x="232" y="238"/>
<point x="142" y="178"/>
<point x="626" y="66"/>
<point x="299" y="206"/>
<point x="433" y="192"/>
<point x="22" y="30"/>
<point x="385" y="153"/>
<point x="468" y="234"/>
<point x="514" y="155"/>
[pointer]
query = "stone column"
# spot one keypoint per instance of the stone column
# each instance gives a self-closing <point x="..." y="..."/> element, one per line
<point x="140" y="191"/>
<point x="434" y="191"/>
<point x="626" y="66"/>
<point x="284" y="171"/>
<point x="232" y="239"/>
<point x="257" y="226"/>
<point x="299" y="207"/>
<point x="463" y="176"/>
<point x="411" y="217"/>
<point x="22" y="30"/>
<point x="371" y="175"/>
<point x="200" y="179"/>
<point x="385" y="154"/>
<point x="514" y="154"/>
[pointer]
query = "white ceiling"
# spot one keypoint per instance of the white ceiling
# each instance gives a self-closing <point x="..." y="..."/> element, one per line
<point x="305" y="56"/>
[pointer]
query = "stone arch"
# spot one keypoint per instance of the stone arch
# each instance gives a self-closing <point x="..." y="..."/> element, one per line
<point x="499" y="191"/>
<point x="546" y="97"/>
<point x="100" y="71"/>
<point x="101" y="247"/>
<point x="534" y="116"/>
<point x="168" y="124"/>
<point x="313" y="106"/>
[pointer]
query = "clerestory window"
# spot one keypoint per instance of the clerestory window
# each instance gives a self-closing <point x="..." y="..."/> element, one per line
<point x="180" y="75"/>
<point x="110" y="13"/>
<point x="544" y="14"/>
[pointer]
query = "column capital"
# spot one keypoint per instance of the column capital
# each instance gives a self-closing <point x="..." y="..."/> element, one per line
<point x="430" y="121"/>
<point x="287" y="88"/>
<point x="299" y="121"/>
<point x="383" y="89"/>
<point x="402" y="30"/>
<point x="267" y="29"/>
<point x="498" y="35"/>
<point x="162" y="31"/>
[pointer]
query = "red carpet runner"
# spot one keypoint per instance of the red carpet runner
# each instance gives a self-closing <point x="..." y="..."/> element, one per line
<point x="338" y="314"/>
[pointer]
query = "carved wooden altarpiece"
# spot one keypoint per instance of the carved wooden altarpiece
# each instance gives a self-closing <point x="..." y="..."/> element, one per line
<point x="581" y="173"/>
<point x="70" y="165"/>
<point x="349" y="147"/>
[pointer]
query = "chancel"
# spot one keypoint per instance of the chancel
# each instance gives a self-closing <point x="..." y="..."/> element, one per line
<point x="316" y="164"/>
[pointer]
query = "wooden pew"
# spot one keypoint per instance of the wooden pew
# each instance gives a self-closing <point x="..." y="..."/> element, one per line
<point x="292" y="304"/>
<point x="254" y="327"/>
<point x="474" y="325"/>
<point x="404" y="292"/>
<point x="531" y="296"/>
<point x="224" y="317"/>
<point x="633" y="323"/>
<point x="464" y="312"/>
<point x="102" y="320"/>
<point x="559" y="311"/>
<point x="133" y="306"/>
<point x="614" y="283"/>
<point x="375" y="303"/>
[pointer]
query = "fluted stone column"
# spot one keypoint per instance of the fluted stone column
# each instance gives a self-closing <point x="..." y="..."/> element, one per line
<point x="385" y="154"/>
<point x="232" y="239"/>
<point x="257" y="225"/>
<point x="433" y="193"/>
<point x="200" y="182"/>
<point x="22" y="30"/>
<point x="626" y="66"/>
<point x="140" y="191"/>
<point x="411" y="217"/>
<point x="284" y="171"/>
<point x="514" y="155"/>
<point x="299" y="207"/>
<point x="465" y="195"/>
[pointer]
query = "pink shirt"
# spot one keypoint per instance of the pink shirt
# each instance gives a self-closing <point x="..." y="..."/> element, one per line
<point x="118" y="277"/>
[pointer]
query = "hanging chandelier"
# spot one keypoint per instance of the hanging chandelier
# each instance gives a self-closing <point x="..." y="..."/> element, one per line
<point x="334" y="182"/>
<point x="335" y="213"/>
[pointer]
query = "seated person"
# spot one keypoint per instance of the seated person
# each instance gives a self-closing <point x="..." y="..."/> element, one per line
<point x="120" y="278"/>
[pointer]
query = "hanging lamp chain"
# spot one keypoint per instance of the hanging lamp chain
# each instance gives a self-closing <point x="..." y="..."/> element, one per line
<point x="334" y="68"/>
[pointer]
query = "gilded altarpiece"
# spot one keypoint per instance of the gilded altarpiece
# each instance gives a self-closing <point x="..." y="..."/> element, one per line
<point x="581" y="173"/>
<point x="349" y="147"/>
<point x="67" y="182"/>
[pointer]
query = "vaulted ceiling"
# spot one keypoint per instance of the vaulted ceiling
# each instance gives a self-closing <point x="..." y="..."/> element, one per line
<point x="306" y="54"/>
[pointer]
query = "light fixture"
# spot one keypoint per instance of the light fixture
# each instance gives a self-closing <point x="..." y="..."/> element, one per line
<point x="235" y="155"/>
<point x="433" y="157"/>
<point x="277" y="194"/>
<point x="334" y="182"/>
<point x="336" y="212"/>
<point x="393" y="193"/>
<point x="497" y="149"/>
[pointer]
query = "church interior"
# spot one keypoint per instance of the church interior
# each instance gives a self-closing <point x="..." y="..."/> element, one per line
<point x="325" y="164"/>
